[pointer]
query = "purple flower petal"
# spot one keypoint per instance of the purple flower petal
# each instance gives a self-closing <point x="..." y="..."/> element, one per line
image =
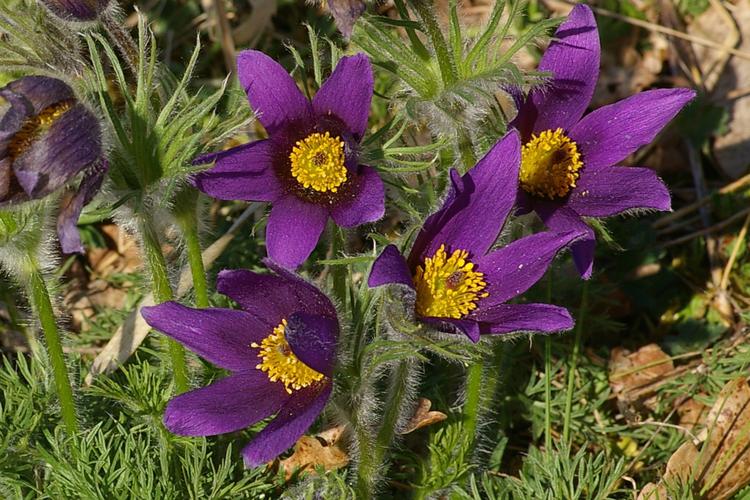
<point x="367" y="203"/>
<point x="514" y="268"/>
<point x="608" y="135"/>
<point x="606" y="191"/>
<point x="347" y="94"/>
<point x="573" y="60"/>
<point x="241" y="173"/>
<point x="293" y="230"/>
<point x="476" y="207"/>
<point x="390" y="267"/>
<point x="39" y="92"/>
<point x="508" y="318"/>
<point x="313" y="340"/>
<point x="70" y="211"/>
<point x="294" y="418"/>
<point x="222" y="336"/>
<point x="468" y="327"/>
<point x="227" y="405"/>
<point x="272" y="93"/>
<point x="272" y="298"/>
<point x="561" y="219"/>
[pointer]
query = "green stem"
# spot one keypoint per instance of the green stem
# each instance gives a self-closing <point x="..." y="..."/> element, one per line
<point x="162" y="291"/>
<point x="466" y="149"/>
<point x="42" y="306"/>
<point x="473" y="398"/>
<point x="444" y="57"/>
<point x="416" y="43"/>
<point x="548" y="378"/>
<point x="394" y="409"/>
<point x="338" y="242"/>
<point x="195" y="261"/>
<point x="367" y="467"/>
<point x="574" y="361"/>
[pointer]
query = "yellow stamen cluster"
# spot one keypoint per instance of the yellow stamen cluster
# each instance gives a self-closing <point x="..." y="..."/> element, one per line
<point x="318" y="162"/>
<point x="448" y="287"/>
<point x="35" y="125"/>
<point x="550" y="164"/>
<point x="280" y="363"/>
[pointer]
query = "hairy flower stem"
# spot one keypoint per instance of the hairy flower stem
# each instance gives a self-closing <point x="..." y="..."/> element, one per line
<point x="394" y="408"/>
<point x="40" y="302"/>
<point x="338" y="245"/>
<point x="574" y="361"/>
<point x="473" y="397"/>
<point x="548" y="376"/>
<point x="367" y="466"/>
<point x="122" y="40"/>
<point x="162" y="291"/>
<point x="189" y="225"/>
<point x="446" y="62"/>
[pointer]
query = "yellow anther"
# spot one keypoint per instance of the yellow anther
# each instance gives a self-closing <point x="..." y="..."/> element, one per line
<point x="318" y="162"/>
<point x="280" y="363"/>
<point x="448" y="287"/>
<point x="550" y="164"/>
<point x="35" y="125"/>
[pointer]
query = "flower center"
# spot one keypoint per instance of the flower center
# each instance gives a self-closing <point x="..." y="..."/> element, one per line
<point x="280" y="363"/>
<point x="550" y="164"/>
<point x="318" y="162"/>
<point x="448" y="287"/>
<point x="35" y="125"/>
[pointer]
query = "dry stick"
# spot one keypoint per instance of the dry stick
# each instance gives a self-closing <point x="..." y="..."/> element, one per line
<point x="657" y="28"/>
<point x="733" y="186"/>
<point x="730" y="263"/>
<point x="225" y="31"/>
<point x="708" y="230"/>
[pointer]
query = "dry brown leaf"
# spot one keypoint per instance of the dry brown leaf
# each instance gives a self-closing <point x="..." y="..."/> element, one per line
<point x="322" y="450"/>
<point x="423" y="416"/>
<point x="724" y="78"/>
<point x="692" y="414"/>
<point x="722" y="466"/>
<point x="632" y="377"/>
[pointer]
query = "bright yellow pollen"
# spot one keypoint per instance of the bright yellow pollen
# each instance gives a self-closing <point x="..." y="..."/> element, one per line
<point x="281" y="364"/>
<point x="550" y="164"/>
<point x="448" y="287"/>
<point x="35" y="125"/>
<point x="318" y="162"/>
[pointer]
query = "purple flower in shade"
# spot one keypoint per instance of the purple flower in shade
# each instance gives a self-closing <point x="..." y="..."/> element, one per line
<point x="345" y="13"/>
<point x="308" y="167"/>
<point x="47" y="138"/>
<point x="459" y="283"/>
<point x="568" y="160"/>
<point x="76" y="10"/>
<point x="280" y="348"/>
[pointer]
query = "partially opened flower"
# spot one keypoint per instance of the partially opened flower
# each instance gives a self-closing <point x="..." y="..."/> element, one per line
<point x="47" y="138"/>
<point x="568" y="160"/>
<point x="77" y="10"/>
<point x="280" y="348"/>
<point x="308" y="167"/>
<point x="345" y="13"/>
<point x="459" y="282"/>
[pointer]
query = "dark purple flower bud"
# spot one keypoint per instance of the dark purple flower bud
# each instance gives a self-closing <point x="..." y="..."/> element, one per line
<point x="76" y="10"/>
<point x="345" y="13"/>
<point x="47" y="138"/>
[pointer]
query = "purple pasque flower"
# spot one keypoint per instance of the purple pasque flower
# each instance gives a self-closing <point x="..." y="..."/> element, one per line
<point x="568" y="168"/>
<point x="345" y="13"/>
<point x="47" y="138"/>
<point x="280" y="347"/>
<point x="459" y="282"/>
<point x="308" y="167"/>
<point x="76" y="10"/>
